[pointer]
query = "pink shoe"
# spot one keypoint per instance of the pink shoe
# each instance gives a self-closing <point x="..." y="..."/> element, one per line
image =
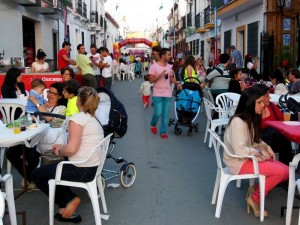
<point x="164" y="136"/>
<point x="153" y="129"/>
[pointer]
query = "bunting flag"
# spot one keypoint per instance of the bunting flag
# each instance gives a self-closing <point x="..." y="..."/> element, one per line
<point x="117" y="6"/>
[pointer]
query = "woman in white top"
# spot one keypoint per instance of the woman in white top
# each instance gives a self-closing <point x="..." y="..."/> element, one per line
<point x="40" y="66"/>
<point x="243" y="137"/>
<point x="85" y="132"/>
<point x="277" y="80"/>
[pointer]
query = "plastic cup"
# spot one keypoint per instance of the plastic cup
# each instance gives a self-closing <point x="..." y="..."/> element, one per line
<point x="17" y="127"/>
<point x="286" y="116"/>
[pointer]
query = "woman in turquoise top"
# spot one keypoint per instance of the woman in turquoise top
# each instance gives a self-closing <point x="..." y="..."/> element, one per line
<point x="70" y="92"/>
<point x="190" y="69"/>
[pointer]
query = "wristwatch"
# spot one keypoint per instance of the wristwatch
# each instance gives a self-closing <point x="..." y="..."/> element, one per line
<point x="38" y="105"/>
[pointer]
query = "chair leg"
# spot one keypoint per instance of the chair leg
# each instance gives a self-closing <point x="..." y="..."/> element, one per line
<point x="222" y="189"/>
<point x="2" y="207"/>
<point x="290" y="201"/>
<point x="10" y="198"/>
<point x="94" y="198"/>
<point x="2" y="156"/>
<point x="216" y="188"/>
<point x="8" y="167"/>
<point x="238" y="183"/>
<point x="101" y="192"/>
<point x="51" y="201"/>
<point x="206" y="130"/>
<point x="262" y="180"/>
<point x="213" y="127"/>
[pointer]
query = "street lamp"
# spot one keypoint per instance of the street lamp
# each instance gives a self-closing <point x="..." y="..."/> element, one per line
<point x="280" y="5"/>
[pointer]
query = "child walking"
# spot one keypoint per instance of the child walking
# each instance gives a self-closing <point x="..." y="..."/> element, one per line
<point x="145" y="89"/>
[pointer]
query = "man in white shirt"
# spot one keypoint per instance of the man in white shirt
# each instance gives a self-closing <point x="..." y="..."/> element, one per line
<point x="95" y="57"/>
<point x="106" y="65"/>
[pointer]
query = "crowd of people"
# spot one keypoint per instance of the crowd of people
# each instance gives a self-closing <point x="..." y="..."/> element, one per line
<point x="224" y="74"/>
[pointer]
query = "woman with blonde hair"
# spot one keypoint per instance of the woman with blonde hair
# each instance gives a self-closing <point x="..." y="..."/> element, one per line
<point x="85" y="132"/>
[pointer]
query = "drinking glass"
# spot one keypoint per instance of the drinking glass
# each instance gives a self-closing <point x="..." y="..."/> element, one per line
<point x="286" y="116"/>
<point x="17" y="127"/>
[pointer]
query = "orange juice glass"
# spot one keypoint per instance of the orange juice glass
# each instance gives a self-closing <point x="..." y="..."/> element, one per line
<point x="286" y="116"/>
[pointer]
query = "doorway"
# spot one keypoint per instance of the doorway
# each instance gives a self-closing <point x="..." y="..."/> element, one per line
<point x="240" y="39"/>
<point x="55" y="49"/>
<point x="28" y="41"/>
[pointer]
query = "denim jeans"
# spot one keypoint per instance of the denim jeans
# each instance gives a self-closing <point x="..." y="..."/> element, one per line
<point x="161" y="109"/>
<point x="63" y="194"/>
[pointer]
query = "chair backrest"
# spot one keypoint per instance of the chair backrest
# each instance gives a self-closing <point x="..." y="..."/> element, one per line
<point x="100" y="149"/>
<point x="115" y="69"/>
<point x="8" y="111"/>
<point x="209" y="107"/>
<point x="224" y="103"/>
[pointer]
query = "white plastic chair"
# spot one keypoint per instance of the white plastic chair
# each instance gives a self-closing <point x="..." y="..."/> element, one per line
<point x="91" y="187"/>
<point x="117" y="72"/>
<point x="9" y="197"/>
<point x="212" y="123"/>
<point x="293" y="182"/>
<point x="223" y="102"/>
<point x="8" y="113"/>
<point x="224" y="176"/>
<point x="2" y="207"/>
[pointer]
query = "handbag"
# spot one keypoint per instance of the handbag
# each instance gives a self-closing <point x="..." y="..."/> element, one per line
<point x="48" y="157"/>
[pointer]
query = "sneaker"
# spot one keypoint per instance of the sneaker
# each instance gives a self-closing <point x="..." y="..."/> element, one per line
<point x="164" y="136"/>
<point x="145" y="105"/>
<point x="153" y="129"/>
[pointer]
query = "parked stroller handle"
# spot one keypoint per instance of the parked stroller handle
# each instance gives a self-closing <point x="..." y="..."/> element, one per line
<point x="49" y="114"/>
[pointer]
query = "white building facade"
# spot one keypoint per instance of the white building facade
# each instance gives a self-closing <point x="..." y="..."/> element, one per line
<point x="28" y="25"/>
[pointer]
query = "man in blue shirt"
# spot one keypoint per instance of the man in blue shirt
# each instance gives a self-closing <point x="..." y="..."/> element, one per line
<point x="236" y="57"/>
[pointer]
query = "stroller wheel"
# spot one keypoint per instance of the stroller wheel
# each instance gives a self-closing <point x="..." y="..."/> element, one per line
<point x="170" y="122"/>
<point x="196" y="127"/>
<point x="178" y="131"/>
<point x="127" y="175"/>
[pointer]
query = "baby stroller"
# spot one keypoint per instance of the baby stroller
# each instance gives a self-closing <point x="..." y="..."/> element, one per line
<point x="112" y="115"/>
<point x="187" y="106"/>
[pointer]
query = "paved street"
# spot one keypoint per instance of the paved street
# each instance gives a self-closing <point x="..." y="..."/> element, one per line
<point x="175" y="179"/>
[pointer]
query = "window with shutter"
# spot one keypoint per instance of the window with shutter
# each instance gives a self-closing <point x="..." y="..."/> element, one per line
<point x="252" y="39"/>
<point x="227" y="39"/>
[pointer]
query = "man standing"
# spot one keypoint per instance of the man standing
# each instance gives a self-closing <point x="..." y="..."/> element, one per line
<point x="293" y="76"/>
<point x="187" y="51"/>
<point x="162" y="76"/>
<point x="236" y="57"/>
<point x="86" y="66"/>
<point x="94" y="56"/>
<point x="63" y="56"/>
<point x="106" y="65"/>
